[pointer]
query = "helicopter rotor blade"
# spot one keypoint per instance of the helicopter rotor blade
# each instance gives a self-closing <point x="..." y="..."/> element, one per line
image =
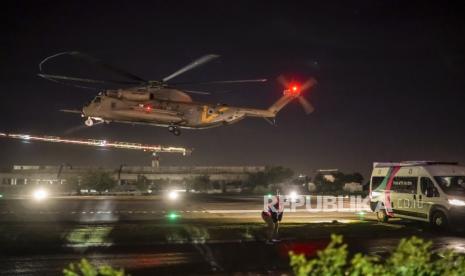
<point x="197" y="92"/>
<point x="283" y="81"/>
<point x="67" y="83"/>
<point x="306" y="105"/>
<point x="222" y="82"/>
<point x="68" y="78"/>
<point x="190" y="66"/>
<point x="96" y="61"/>
<point x="308" y="84"/>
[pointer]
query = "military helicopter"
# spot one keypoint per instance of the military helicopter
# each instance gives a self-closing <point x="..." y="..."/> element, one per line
<point x="159" y="103"/>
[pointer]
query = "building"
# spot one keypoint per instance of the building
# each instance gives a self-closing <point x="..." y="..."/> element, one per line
<point x="18" y="176"/>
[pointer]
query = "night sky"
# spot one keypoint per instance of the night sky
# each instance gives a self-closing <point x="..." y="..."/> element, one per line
<point x="390" y="73"/>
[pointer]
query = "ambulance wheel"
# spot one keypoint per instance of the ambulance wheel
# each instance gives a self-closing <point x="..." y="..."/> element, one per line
<point x="439" y="220"/>
<point x="382" y="216"/>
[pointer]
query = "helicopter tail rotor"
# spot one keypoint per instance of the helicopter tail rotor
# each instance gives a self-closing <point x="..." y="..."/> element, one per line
<point x="295" y="90"/>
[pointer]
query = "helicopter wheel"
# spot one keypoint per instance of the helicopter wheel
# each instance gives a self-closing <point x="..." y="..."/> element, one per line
<point x="89" y="122"/>
<point x="177" y="131"/>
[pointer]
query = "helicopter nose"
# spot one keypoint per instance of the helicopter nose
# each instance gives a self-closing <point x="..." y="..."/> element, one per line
<point x="84" y="111"/>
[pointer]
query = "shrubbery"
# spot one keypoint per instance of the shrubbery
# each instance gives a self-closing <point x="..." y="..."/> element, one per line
<point x="84" y="268"/>
<point x="412" y="257"/>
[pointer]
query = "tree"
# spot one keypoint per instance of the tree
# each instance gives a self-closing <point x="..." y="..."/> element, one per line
<point x="142" y="183"/>
<point x="355" y="177"/>
<point x="257" y="179"/>
<point x="271" y="175"/>
<point x="339" y="179"/>
<point x="278" y="174"/>
<point x="201" y="183"/>
<point x="98" y="180"/>
<point x="323" y="185"/>
<point x="71" y="184"/>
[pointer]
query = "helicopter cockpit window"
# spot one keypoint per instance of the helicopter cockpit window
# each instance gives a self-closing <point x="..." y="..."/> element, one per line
<point x="97" y="100"/>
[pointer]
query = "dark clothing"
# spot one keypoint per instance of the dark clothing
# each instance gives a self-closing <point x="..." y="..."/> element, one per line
<point x="272" y="226"/>
<point x="272" y="217"/>
<point x="276" y="216"/>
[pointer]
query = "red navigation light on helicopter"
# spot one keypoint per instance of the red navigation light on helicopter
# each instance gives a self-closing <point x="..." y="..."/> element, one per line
<point x="148" y="108"/>
<point x="294" y="89"/>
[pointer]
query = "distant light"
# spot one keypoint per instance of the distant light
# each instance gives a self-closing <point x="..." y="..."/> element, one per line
<point x="173" y="195"/>
<point x="103" y="143"/>
<point x="361" y="215"/>
<point x="294" y="88"/>
<point x="173" y="216"/>
<point x="1" y="196"/>
<point x="269" y="195"/>
<point x="148" y="108"/>
<point x="40" y="194"/>
<point x="293" y="196"/>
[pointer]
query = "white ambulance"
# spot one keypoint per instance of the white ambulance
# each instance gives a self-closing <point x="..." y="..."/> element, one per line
<point x="427" y="191"/>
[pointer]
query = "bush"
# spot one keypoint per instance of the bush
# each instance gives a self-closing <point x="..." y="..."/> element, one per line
<point x="84" y="268"/>
<point x="271" y="175"/>
<point x="261" y="190"/>
<point x="412" y="257"/>
<point x="98" y="180"/>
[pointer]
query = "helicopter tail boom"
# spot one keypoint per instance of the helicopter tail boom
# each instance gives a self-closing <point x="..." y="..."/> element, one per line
<point x="271" y="111"/>
<point x="280" y="104"/>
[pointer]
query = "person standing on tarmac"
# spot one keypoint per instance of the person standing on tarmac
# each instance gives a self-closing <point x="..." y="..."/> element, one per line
<point x="272" y="216"/>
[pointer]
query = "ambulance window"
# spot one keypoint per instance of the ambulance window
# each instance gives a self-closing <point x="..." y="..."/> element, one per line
<point x="376" y="181"/>
<point x="406" y="185"/>
<point x="426" y="186"/>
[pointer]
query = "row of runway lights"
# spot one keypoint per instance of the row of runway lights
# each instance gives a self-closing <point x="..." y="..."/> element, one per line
<point x="42" y="194"/>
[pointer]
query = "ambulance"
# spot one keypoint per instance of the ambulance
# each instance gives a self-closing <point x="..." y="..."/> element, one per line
<point x="428" y="191"/>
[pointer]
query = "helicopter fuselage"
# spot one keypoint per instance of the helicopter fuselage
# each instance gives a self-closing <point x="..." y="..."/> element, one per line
<point x="159" y="103"/>
<point x="164" y="107"/>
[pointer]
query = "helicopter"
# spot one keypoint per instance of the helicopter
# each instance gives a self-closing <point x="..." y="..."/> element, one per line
<point x="163" y="104"/>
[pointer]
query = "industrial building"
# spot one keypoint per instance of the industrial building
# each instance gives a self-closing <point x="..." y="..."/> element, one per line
<point x="16" y="178"/>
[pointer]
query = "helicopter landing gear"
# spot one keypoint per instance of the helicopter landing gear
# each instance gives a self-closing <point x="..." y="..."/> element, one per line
<point x="89" y="122"/>
<point x="175" y="130"/>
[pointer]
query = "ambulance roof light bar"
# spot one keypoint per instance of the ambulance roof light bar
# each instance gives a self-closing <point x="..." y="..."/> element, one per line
<point x="411" y="163"/>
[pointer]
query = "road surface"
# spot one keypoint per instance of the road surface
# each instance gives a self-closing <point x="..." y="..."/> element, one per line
<point x="198" y="234"/>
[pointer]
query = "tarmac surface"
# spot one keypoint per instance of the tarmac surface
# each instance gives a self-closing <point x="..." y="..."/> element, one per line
<point x="195" y="234"/>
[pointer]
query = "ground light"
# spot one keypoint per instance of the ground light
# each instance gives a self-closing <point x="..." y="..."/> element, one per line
<point x="361" y="215"/>
<point x="173" y="195"/>
<point x="293" y="196"/>
<point x="40" y="194"/>
<point x="172" y="216"/>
